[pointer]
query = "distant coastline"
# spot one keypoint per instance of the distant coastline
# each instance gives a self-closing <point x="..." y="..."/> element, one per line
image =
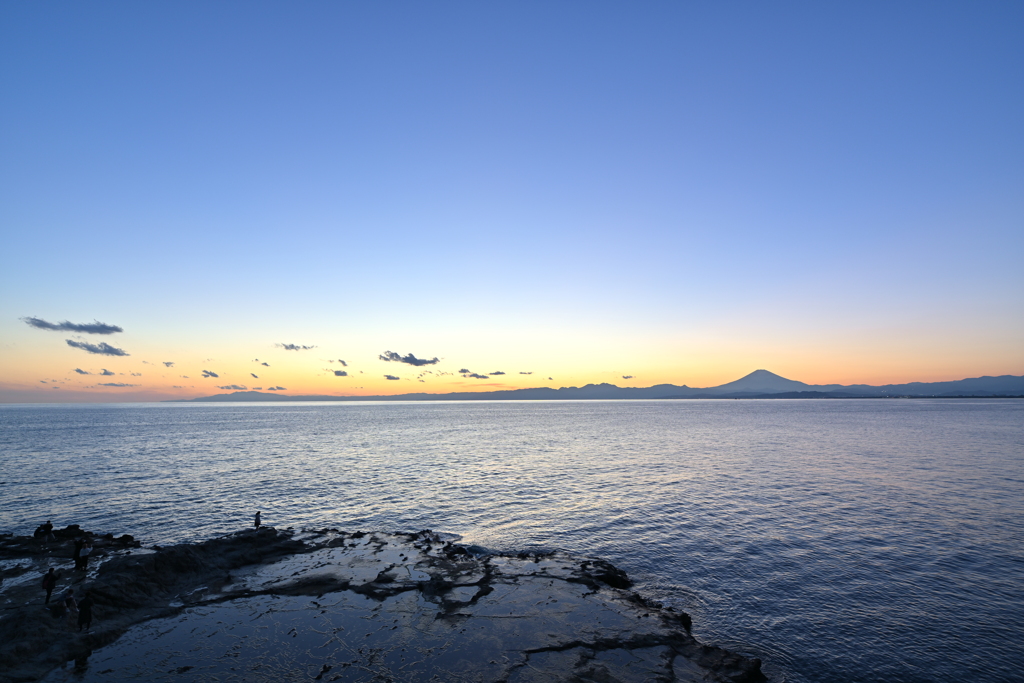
<point x="760" y="384"/>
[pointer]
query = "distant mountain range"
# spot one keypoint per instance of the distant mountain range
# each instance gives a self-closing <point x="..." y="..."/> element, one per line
<point x="758" y="384"/>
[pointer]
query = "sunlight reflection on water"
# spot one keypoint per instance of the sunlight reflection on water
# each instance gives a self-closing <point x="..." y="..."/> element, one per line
<point x="838" y="540"/>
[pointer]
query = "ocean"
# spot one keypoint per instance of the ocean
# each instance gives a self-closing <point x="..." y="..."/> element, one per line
<point x="837" y="540"/>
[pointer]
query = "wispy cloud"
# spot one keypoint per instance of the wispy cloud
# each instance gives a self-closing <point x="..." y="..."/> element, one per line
<point x="627" y="377"/>
<point x="95" y="327"/>
<point x="103" y="348"/>
<point x="469" y="374"/>
<point x="391" y="356"/>
<point x="391" y="377"/>
<point x="208" y="373"/>
<point x="117" y="384"/>
<point x="254" y="375"/>
<point x="526" y="373"/>
<point x="267" y="365"/>
<point x="276" y="389"/>
<point x="80" y="371"/>
<point x="294" y="347"/>
<point x="233" y="387"/>
<point x="168" y="363"/>
<point x="497" y="372"/>
<point x="107" y="373"/>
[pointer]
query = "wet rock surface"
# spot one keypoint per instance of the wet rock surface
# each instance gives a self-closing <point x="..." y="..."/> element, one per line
<point x="335" y="606"/>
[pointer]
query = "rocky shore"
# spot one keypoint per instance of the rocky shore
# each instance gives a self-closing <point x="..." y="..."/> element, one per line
<point x="336" y="606"/>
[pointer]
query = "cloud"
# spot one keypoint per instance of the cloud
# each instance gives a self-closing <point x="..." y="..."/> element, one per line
<point x="42" y="381"/>
<point x="168" y="363"/>
<point x="276" y="389"/>
<point x="207" y="373"/>
<point x="117" y="384"/>
<point x="103" y="348"/>
<point x="391" y="377"/>
<point x="95" y="327"/>
<point x="409" y="360"/>
<point x="257" y="388"/>
<point x="294" y="347"/>
<point x="474" y="375"/>
<point x="107" y="373"/>
<point x="343" y="362"/>
<point x="177" y="386"/>
<point x="265" y="364"/>
<point x="254" y="375"/>
<point x="526" y="373"/>
<point x="464" y="371"/>
<point x="80" y="371"/>
<point x="340" y="373"/>
<point x="233" y="387"/>
<point x="497" y="372"/>
<point x="627" y="377"/>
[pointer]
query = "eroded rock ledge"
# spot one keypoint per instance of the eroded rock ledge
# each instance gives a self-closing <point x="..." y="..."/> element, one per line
<point x="335" y="606"/>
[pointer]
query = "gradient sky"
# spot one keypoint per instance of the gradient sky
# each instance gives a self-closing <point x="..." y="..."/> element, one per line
<point x="678" y="192"/>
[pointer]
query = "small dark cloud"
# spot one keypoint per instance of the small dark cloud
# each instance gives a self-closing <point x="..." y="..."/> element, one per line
<point x="627" y="377"/>
<point x="107" y="373"/>
<point x="95" y="327"/>
<point x="257" y="388"/>
<point x="526" y="373"/>
<point x="43" y="381"/>
<point x="294" y="347"/>
<point x="185" y="377"/>
<point x="233" y="387"/>
<point x="343" y="362"/>
<point x="55" y="387"/>
<point x="551" y="378"/>
<point x="391" y="377"/>
<point x="340" y="373"/>
<point x="408" y="360"/>
<point x="80" y="371"/>
<point x="103" y="348"/>
<point x="135" y="374"/>
<point x="117" y="384"/>
<point x="497" y="372"/>
<point x="265" y="364"/>
<point x="464" y="371"/>
<point x="276" y="389"/>
<point x="168" y="363"/>
<point x="177" y="386"/>
<point x="474" y="375"/>
<point x="207" y="373"/>
<point x="254" y="375"/>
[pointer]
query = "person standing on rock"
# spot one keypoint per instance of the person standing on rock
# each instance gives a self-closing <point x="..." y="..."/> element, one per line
<point x="83" y="557"/>
<point x="47" y="530"/>
<point x="257" y="521"/>
<point x="77" y="556"/>
<point x="49" y="583"/>
<point x="85" y="613"/>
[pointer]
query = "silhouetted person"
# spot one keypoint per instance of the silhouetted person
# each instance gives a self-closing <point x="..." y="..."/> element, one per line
<point x="258" y="521"/>
<point x="77" y="555"/>
<point x="47" y="530"/>
<point x="70" y="604"/>
<point x="85" y="613"/>
<point x="49" y="583"/>
<point x="83" y="557"/>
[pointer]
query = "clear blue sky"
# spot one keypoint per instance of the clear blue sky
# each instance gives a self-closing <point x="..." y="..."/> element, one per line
<point x="679" y="191"/>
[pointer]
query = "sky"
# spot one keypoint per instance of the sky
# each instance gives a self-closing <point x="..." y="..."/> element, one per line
<point x="531" y="193"/>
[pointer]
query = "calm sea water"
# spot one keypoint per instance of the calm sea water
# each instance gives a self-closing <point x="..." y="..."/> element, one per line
<point x="855" y="540"/>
